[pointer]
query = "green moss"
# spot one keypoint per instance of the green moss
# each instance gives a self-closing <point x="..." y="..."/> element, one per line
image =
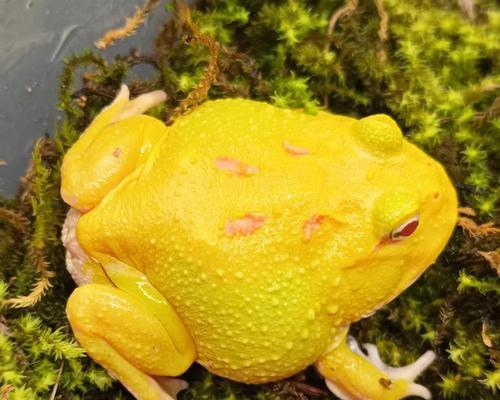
<point x="436" y="71"/>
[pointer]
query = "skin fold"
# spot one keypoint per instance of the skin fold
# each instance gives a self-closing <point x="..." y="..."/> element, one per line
<point x="247" y="238"/>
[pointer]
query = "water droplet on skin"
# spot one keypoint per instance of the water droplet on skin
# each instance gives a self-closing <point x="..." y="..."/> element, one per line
<point x="288" y="345"/>
<point x="239" y="274"/>
<point x="336" y="281"/>
<point x="332" y="308"/>
<point x="311" y="315"/>
<point x="219" y="271"/>
<point x="304" y="334"/>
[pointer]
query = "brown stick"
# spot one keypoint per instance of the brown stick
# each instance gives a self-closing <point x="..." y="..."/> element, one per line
<point x="347" y="9"/>
<point x="130" y="27"/>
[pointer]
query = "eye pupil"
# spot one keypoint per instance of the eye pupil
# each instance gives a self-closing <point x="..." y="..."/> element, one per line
<point x="409" y="228"/>
<point x="405" y="230"/>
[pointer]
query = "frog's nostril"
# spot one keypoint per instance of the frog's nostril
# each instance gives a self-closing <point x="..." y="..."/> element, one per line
<point x="437" y="196"/>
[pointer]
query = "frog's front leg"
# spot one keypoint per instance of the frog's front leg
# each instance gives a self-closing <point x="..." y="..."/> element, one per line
<point x="353" y="375"/>
<point x="117" y="141"/>
<point x="133" y="332"/>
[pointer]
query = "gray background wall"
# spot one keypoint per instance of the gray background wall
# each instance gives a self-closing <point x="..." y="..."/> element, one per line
<point x="35" y="36"/>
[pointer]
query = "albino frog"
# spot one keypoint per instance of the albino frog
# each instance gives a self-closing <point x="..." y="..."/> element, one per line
<point x="247" y="238"/>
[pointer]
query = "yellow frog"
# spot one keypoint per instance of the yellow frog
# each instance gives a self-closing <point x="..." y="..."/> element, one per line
<point x="247" y="238"/>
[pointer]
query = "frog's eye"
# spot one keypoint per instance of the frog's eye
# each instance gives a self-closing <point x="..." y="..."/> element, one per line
<point x="406" y="229"/>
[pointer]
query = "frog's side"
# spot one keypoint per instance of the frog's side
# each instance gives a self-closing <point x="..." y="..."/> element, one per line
<point x="262" y="232"/>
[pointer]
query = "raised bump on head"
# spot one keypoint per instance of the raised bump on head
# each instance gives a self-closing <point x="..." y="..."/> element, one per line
<point x="378" y="133"/>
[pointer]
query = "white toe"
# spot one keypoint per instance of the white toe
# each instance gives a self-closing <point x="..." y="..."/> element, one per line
<point x="140" y="104"/>
<point x="418" y="390"/>
<point x="374" y="356"/>
<point x="411" y="371"/>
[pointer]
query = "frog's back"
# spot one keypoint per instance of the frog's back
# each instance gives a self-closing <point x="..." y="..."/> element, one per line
<point x="231" y="202"/>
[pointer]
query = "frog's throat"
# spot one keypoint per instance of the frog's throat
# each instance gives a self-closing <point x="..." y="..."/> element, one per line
<point x="76" y="258"/>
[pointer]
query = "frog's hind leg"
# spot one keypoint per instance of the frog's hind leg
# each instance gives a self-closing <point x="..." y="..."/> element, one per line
<point x="117" y="142"/>
<point x="119" y="331"/>
<point x="353" y="375"/>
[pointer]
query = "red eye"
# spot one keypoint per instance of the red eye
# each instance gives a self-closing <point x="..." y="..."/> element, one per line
<point x="406" y="229"/>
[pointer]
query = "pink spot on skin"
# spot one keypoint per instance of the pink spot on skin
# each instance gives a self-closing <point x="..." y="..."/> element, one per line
<point x="312" y="225"/>
<point x="295" y="150"/>
<point x="244" y="226"/>
<point x="117" y="152"/>
<point x="235" y="167"/>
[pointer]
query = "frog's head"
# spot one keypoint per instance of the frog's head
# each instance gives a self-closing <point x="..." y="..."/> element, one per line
<point x="408" y="213"/>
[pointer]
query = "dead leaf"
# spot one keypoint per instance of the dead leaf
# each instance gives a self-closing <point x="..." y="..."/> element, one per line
<point x="467" y="211"/>
<point x="131" y="25"/>
<point x="474" y="230"/>
<point x="484" y="334"/>
<point x="5" y="390"/>
<point x="493" y="258"/>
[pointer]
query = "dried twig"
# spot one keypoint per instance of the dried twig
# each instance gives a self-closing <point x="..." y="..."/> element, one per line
<point x="468" y="7"/>
<point x="384" y="20"/>
<point x="56" y="384"/>
<point x="5" y="390"/>
<point x="474" y="230"/>
<point x="384" y="27"/>
<point x="347" y="9"/>
<point x="485" y="335"/>
<point x="467" y="211"/>
<point x="130" y="27"/>
<point x="493" y="258"/>
<point x="200" y="92"/>
<point x="492" y="112"/>
<point x="16" y="220"/>
<point x="39" y="288"/>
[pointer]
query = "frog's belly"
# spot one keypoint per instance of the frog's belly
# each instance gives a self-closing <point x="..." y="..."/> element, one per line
<point x="251" y="332"/>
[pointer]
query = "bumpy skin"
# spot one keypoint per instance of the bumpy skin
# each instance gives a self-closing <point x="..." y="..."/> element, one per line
<point x="266" y="230"/>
